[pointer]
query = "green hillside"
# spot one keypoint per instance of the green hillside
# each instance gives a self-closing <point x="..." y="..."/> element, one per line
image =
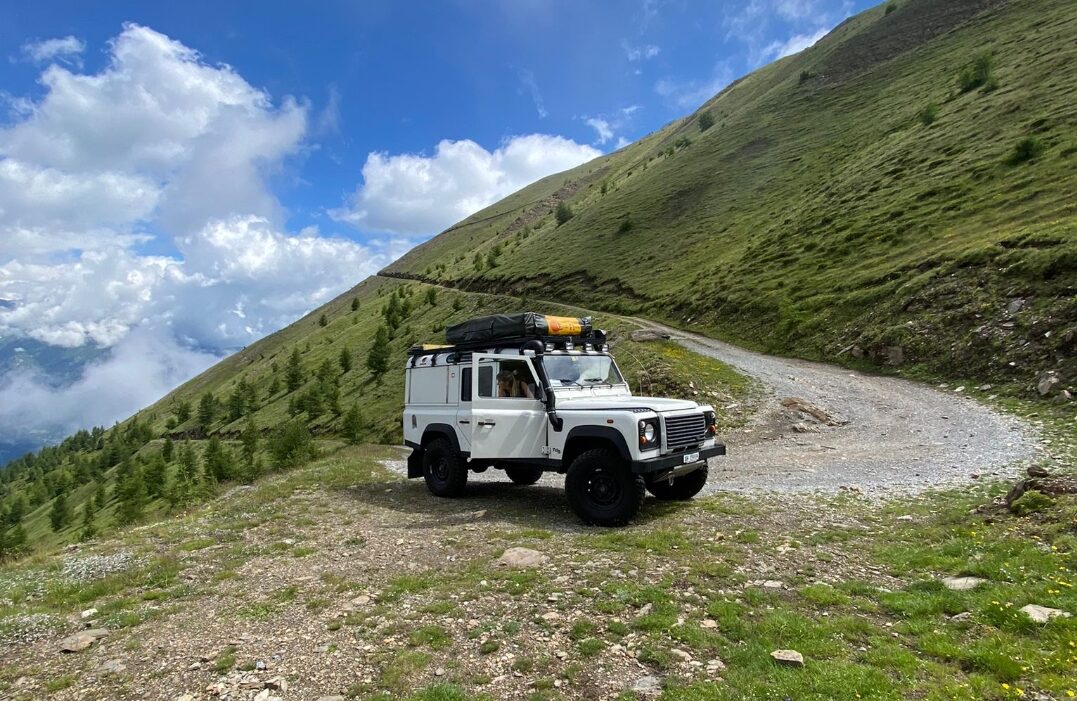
<point x="906" y="183"/>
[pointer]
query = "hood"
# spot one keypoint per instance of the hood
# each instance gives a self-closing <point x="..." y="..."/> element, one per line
<point x="568" y="402"/>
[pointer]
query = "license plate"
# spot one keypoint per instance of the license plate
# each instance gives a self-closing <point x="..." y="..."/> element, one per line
<point x="690" y="457"/>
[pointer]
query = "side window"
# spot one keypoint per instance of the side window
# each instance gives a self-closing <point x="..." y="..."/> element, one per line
<point x="515" y="380"/>
<point x="486" y="378"/>
<point x="465" y="385"/>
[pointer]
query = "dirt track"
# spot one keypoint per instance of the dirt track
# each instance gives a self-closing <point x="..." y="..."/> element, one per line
<point x="878" y="434"/>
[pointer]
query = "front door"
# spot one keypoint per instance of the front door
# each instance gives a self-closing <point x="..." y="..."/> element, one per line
<point x="506" y="419"/>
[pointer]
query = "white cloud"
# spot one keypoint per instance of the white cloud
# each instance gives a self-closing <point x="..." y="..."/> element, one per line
<point x="140" y="369"/>
<point x="49" y="49"/>
<point x="527" y="78"/>
<point x="414" y="194"/>
<point x="640" y="53"/>
<point x="601" y="127"/>
<point x="238" y="279"/>
<point x="794" y="44"/>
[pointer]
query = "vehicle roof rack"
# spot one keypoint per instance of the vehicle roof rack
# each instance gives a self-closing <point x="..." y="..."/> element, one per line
<point x="596" y="340"/>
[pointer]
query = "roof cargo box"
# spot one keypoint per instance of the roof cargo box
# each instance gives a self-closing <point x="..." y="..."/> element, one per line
<point x="506" y="326"/>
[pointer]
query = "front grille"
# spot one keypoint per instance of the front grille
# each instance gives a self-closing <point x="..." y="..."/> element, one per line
<point x="683" y="431"/>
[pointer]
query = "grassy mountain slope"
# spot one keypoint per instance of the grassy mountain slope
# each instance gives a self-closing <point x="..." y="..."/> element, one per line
<point x="847" y="201"/>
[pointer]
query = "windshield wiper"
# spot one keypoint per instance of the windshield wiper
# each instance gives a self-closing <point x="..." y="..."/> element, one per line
<point x="563" y="380"/>
<point x="597" y="379"/>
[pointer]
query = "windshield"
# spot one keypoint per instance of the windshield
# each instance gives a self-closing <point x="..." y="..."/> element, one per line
<point x="581" y="370"/>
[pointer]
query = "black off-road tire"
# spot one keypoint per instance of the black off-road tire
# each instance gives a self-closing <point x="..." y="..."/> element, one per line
<point x="602" y="490"/>
<point x="523" y="475"/>
<point x="444" y="469"/>
<point x="683" y="488"/>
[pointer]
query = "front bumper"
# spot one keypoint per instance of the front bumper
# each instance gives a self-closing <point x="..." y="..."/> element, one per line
<point x="668" y="462"/>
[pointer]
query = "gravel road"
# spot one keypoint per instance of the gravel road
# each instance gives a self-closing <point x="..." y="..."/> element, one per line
<point x="880" y="435"/>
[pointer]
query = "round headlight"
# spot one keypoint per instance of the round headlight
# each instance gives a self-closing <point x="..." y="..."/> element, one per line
<point x="648" y="432"/>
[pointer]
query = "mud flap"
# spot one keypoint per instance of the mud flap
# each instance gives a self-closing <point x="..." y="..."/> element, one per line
<point x="415" y="463"/>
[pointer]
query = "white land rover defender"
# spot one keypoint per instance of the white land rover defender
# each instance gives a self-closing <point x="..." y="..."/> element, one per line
<point x="527" y="393"/>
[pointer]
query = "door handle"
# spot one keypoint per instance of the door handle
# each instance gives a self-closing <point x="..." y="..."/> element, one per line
<point x="464" y="421"/>
<point x="487" y="423"/>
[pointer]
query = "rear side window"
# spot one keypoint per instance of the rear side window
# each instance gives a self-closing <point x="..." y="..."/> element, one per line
<point x="465" y="385"/>
<point x="486" y="380"/>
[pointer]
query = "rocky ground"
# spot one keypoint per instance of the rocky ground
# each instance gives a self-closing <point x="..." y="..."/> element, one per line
<point x="344" y="579"/>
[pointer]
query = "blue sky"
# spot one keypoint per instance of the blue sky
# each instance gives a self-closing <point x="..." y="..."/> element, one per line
<point x="180" y="179"/>
<point x="399" y="77"/>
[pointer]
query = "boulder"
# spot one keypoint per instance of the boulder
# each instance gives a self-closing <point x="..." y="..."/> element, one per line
<point x="647" y="686"/>
<point x="1042" y="614"/>
<point x="112" y="667"/>
<point x="962" y="583"/>
<point x="523" y="558"/>
<point x="1047" y="383"/>
<point x="82" y="640"/>
<point x="788" y="658"/>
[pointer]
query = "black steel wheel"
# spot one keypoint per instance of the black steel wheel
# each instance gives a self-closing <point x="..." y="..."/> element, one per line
<point x="601" y="489"/>
<point x="443" y="469"/>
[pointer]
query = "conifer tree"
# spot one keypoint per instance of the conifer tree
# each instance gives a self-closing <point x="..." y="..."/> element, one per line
<point x="131" y="494"/>
<point x="249" y="440"/>
<point x="207" y="409"/>
<point x="156" y="473"/>
<point x="377" y="359"/>
<point x="239" y="400"/>
<point x="183" y="411"/>
<point x="274" y="387"/>
<point x="60" y="514"/>
<point x="218" y="461"/>
<point x="345" y="360"/>
<point x="293" y="374"/>
<point x="185" y="481"/>
<point x="323" y="321"/>
<point x="89" y="528"/>
<point x="355" y="304"/>
<point x="353" y="425"/>
<point x="167" y="450"/>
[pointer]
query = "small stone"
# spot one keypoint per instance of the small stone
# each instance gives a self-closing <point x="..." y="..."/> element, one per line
<point x="260" y="665"/>
<point x="645" y="609"/>
<point x="82" y="640"/>
<point x="773" y="584"/>
<point x="1037" y="471"/>
<point x="194" y="666"/>
<point x="904" y="517"/>
<point x="184" y="697"/>
<point x="361" y="600"/>
<point x="523" y="557"/>
<point x="708" y="623"/>
<point x="684" y="656"/>
<point x="551" y="616"/>
<point x="715" y="665"/>
<point x="88" y="613"/>
<point x="1042" y="614"/>
<point x="112" y="667"/>
<point x="961" y="617"/>
<point x="962" y="583"/>
<point x="439" y="672"/>
<point x="337" y="697"/>
<point x="647" y="686"/>
<point x="789" y="658"/>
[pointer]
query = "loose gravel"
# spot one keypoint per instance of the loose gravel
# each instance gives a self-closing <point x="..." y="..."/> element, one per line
<point x="889" y="436"/>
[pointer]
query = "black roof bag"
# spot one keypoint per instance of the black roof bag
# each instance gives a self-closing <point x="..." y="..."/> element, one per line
<point x="498" y="327"/>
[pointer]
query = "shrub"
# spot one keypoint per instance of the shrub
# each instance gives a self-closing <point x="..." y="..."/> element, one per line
<point x="1031" y="502"/>
<point x="291" y="445"/>
<point x="564" y="213"/>
<point x="1027" y="149"/>
<point x="805" y="76"/>
<point x="890" y="7"/>
<point x="706" y="121"/>
<point x="928" y="115"/>
<point x="979" y="73"/>
<point x="626" y="225"/>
